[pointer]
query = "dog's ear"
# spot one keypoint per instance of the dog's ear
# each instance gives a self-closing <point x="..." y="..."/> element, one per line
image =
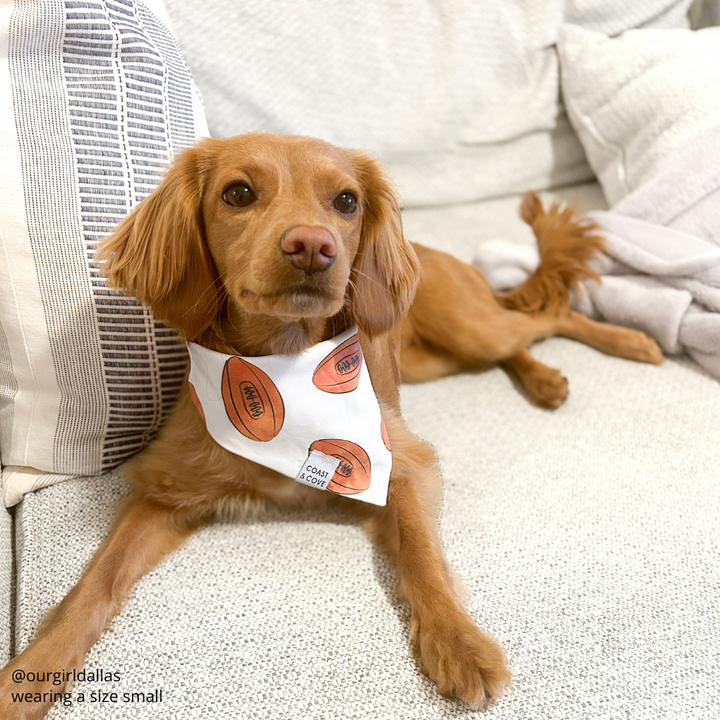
<point x="386" y="270"/>
<point x="158" y="252"/>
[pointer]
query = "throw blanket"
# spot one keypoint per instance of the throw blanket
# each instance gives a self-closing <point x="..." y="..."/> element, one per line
<point x="659" y="280"/>
<point x="661" y="273"/>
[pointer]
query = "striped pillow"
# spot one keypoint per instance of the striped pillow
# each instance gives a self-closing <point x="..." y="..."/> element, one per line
<point x="94" y="100"/>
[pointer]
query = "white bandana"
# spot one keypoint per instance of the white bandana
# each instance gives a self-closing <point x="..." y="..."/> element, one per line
<point x="313" y="417"/>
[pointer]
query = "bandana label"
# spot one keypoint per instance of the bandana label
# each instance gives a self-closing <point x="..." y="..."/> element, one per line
<point x="313" y="417"/>
<point x="318" y="470"/>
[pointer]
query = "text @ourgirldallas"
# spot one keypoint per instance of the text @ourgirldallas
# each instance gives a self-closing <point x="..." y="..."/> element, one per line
<point x="60" y="678"/>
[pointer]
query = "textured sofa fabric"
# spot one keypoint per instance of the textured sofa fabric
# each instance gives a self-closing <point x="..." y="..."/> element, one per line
<point x="587" y="539"/>
<point x="460" y="98"/>
<point x="7" y="585"/>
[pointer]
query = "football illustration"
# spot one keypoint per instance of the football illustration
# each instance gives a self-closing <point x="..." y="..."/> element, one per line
<point x="339" y="372"/>
<point x="353" y="473"/>
<point x="252" y="401"/>
<point x="196" y="402"/>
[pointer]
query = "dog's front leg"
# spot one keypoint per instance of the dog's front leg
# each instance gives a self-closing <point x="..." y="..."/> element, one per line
<point x="142" y="536"/>
<point x="453" y="651"/>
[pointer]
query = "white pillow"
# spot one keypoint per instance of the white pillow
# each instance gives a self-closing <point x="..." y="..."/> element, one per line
<point x="93" y="102"/>
<point x="459" y="97"/>
<point x="636" y="98"/>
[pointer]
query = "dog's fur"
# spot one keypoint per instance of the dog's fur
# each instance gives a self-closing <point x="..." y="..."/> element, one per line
<point x="456" y="323"/>
<point x="224" y="277"/>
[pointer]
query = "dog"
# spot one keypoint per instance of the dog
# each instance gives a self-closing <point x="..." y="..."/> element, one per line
<point x="456" y="323"/>
<point x="268" y="245"/>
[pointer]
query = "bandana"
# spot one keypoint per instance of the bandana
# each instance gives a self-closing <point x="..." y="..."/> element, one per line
<point x="313" y="417"/>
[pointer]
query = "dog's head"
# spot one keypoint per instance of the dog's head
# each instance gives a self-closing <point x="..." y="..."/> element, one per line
<point x="266" y="225"/>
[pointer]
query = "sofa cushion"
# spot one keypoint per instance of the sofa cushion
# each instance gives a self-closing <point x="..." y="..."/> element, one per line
<point x="637" y="98"/>
<point x="94" y="100"/>
<point x="588" y="540"/>
<point x="459" y="97"/>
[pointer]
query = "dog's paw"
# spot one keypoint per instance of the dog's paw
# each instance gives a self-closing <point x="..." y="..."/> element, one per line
<point x="643" y="348"/>
<point x="547" y="386"/>
<point x="17" y="699"/>
<point x="463" y="661"/>
<point x="23" y="699"/>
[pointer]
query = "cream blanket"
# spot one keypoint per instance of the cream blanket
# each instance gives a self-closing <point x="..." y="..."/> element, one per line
<point x="663" y="281"/>
<point x="661" y="273"/>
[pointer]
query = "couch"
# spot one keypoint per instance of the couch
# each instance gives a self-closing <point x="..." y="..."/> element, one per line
<point x="587" y="537"/>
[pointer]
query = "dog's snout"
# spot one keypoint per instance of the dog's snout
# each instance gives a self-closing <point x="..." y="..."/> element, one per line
<point x="310" y="249"/>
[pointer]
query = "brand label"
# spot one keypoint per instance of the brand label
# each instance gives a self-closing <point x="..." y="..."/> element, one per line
<point x="318" y="470"/>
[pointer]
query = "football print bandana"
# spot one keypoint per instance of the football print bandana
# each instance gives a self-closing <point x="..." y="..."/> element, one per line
<point x="313" y="417"/>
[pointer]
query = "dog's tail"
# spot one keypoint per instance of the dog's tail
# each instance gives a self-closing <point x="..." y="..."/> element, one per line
<point x="566" y="244"/>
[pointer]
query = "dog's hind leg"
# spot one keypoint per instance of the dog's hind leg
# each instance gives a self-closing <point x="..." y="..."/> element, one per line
<point x="545" y="385"/>
<point x="420" y="362"/>
<point x="456" y="323"/>
<point x="141" y="537"/>
<point x="611" y="339"/>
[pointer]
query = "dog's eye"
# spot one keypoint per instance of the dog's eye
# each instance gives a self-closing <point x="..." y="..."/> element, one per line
<point x="238" y="195"/>
<point x="346" y="203"/>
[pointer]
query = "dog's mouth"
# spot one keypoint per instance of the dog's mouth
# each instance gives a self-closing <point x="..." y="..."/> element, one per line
<point x="296" y="301"/>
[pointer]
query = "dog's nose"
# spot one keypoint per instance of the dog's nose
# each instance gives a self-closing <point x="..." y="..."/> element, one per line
<point x="310" y="249"/>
